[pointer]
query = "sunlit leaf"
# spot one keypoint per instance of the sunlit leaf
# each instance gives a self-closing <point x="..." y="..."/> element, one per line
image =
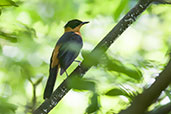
<point x="132" y="72"/>
<point x="8" y="36"/>
<point x="8" y="3"/>
<point x="120" y="91"/>
<point x="94" y="105"/>
<point x="128" y="69"/>
<point x="85" y="53"/>
<point x="93" y="58"/>
<point x="120" y="9"/>
<point x="81" y="84"/>
<point x="115" y="92"/>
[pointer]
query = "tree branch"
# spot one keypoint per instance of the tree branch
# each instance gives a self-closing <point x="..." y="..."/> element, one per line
<point x="150" y="95"/>
<point x="124" y="23"/>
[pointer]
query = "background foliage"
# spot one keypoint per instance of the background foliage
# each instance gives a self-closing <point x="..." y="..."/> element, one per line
<point x="30" y="29"/>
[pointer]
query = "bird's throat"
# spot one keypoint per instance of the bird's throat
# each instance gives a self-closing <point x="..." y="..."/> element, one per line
<point x="75" y="30"/>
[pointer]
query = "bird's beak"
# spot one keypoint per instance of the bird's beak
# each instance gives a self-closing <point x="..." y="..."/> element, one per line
<point x="85" y="22"/>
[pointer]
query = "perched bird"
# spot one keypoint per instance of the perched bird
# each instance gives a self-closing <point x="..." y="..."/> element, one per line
<point x="66" y="50"/>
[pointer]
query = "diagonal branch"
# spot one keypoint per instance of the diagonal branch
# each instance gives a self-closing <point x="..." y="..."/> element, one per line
<point x="104" y="44"/>
<point x="150" y="95"/>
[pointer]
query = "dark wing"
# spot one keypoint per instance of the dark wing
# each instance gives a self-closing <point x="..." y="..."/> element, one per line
<point x="70" y="46"/>
<point x="53" y="71"/>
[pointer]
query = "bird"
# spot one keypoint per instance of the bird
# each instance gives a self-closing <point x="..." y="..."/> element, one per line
<point x="65" y="52"/>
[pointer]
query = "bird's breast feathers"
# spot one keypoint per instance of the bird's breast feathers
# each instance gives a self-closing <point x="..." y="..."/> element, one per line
<point x="69" y="41"/>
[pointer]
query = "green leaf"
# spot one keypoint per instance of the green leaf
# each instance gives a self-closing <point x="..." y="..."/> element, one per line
<point x="39" y="80"/>
<point x="128" y="69"/>
<point x="132" y="72"/>
<point x="81" y="84"/>
<point x="168" y="94"/>
<point x="8" y="36"/>
<point x="93" y="58"/>
<point x="119" y="91"/>
<point x="116" y="92"/>
<point x="94" y="105"/>
<point x="120" y="9"/>
<point x="8" y="3"/>
<point x="6" y="107"/>
<point x="85" y="53"/>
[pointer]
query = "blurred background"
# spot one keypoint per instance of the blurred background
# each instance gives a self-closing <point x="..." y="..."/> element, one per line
<point x="29" y="32"/>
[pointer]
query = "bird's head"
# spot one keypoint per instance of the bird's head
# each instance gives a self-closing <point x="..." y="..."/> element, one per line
<point x="74" y="25"/>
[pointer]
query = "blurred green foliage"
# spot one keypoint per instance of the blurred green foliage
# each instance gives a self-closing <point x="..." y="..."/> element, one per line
<point x="28" y="34"/>
<point x="94" y="104"/>
<point x="6" y="107"/>
<point x="81" y="84"/>
<point x="121" y="7"/>
<point x="7" y="3"/>
<point x="111" y="64"/>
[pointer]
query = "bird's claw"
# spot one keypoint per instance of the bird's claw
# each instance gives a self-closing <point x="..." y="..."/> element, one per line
<point x="79" y="62"/>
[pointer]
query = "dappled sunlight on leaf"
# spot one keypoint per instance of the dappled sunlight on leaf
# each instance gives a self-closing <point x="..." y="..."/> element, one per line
<point x="81" y="84"/>
<point x="8" y="36"/>
<point x="7" y="3"/>
<point x="121" y="92"/>
<point x="130" y="70"/>
<point x="119" y="10"/>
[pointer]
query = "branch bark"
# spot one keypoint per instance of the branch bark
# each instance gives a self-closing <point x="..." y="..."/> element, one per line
<point x="104" y="44"/>
<point x="150" y="95"/>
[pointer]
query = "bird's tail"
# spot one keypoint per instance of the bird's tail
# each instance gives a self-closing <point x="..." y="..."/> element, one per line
<point x="51" y="82"/>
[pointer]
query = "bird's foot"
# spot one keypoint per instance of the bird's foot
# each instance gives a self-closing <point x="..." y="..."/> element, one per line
<point x="66" y="73"/>
<point x="79" y="62"/>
